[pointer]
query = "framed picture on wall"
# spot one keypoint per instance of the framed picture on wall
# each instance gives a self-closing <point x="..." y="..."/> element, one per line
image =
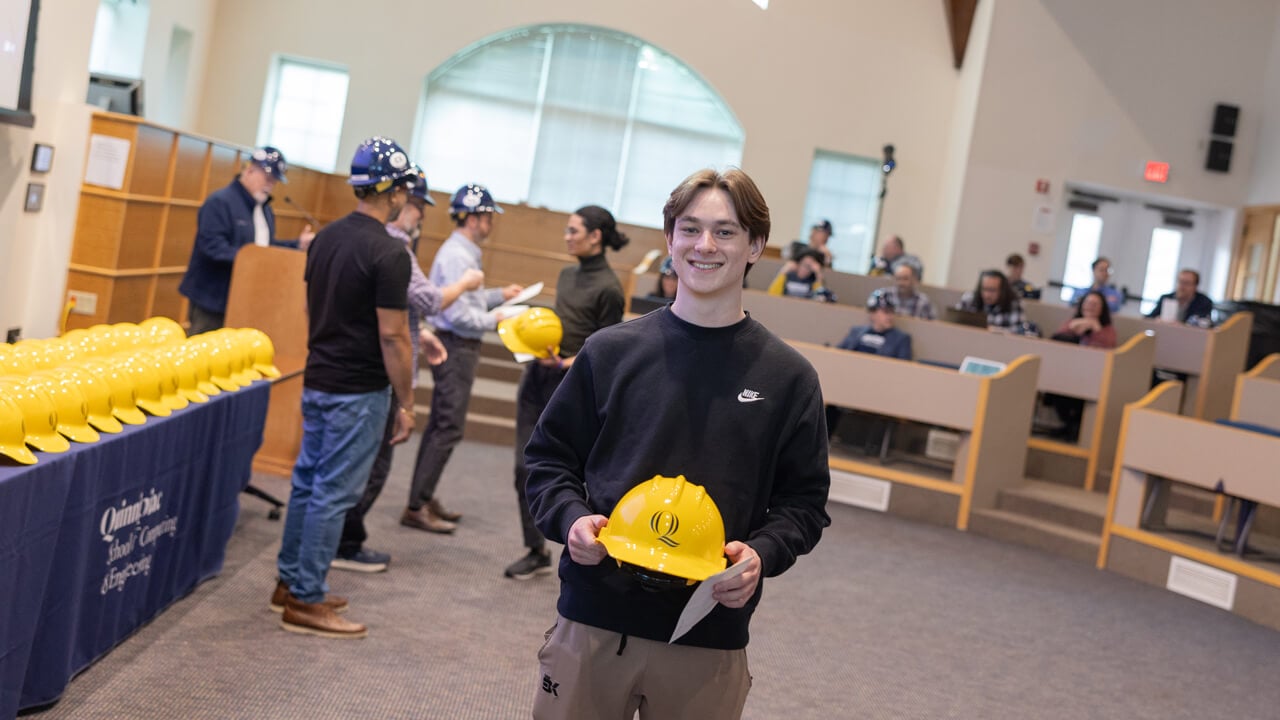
<point x="35" y="197"/>
<point x="42" y="158"/>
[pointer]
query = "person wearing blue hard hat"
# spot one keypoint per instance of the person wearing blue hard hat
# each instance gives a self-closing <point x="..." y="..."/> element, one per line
<point x="460" y="328"/>
<point x="425" y="298"/>
<point x="237" y="215"/>
<point x="357" y="345"/>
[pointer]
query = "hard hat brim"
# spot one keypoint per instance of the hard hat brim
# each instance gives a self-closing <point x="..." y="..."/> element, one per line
<point x="48" y="442"/>
<point x="510" y="338"/>
<point x="267" y="370"/>
<point x="20" y="453"/>
<point x="159" y="409"/>
<point x="194" y="396"/>
<point x="106" y="423"/>
<point x="175" y="401"/>
<point x="228" y="384"/>
<point x="129" y="416"/>
<point x="208" y="388"/>
<point x="650" y="558"/>
<point x="81" y="434"/>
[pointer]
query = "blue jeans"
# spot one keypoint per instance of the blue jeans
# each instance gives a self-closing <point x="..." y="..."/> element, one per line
<point x="340" y="435"/>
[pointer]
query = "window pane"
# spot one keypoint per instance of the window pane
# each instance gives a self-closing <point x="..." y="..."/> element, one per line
<point x="1162" y="266"/>
<point x="843" y="189"/>
<point x="304" y="116"/>
<point x="569" y="115"/>
<point x="1082" y="250"/>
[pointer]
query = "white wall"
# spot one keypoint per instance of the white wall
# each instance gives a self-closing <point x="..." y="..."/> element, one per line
<point x="841" y="75"/>
<point x="1264" y="188"/>
<point x="197" y="17"/>
<point x="1088" y="91"/>
<point x="35" y="247"/>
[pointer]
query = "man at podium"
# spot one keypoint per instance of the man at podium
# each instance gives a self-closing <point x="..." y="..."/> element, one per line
<point x="229" y="219"/>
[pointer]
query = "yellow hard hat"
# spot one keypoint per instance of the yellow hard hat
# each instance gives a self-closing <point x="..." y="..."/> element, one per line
<point x="127" y="335"/>
<point x="219" y="358"/>
<point x="194" y="349"/>
<point x="39" y="416"/>
<point x="124" y="398"/>
<point x="160" y="330"/>
<point x="69" y="403"/>
<point x="241" y="358"/>
<point x="13" y="436"/>
<point x="97" y="396"/>
<point x="169" y="393"/>
<point x="146" y="383"/>
<point x="34" y="352"/>
<point x="184" y="365"/>
<point x="669" y="526"/>
<point x="532" y="332"/>
<point x="60" y="352"/>
<point x="263" y="353"/>
<point x="11" y="363"/>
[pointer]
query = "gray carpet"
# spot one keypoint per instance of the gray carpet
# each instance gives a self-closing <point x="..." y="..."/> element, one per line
<point x="887" y="619"/>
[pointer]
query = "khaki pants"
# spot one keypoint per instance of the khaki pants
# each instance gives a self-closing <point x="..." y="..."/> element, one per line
<point x="583" y="676"/>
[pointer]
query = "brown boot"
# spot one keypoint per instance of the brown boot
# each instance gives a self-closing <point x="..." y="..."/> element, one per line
<point x="424" y="519"/>
<point x="318" y="619"/>
<point x="337" y="603"/>
<point x="434" y="505"/>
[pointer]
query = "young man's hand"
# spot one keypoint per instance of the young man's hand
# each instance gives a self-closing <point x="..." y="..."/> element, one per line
<point x="736" y="591"/>
<point x="584" y="549"/>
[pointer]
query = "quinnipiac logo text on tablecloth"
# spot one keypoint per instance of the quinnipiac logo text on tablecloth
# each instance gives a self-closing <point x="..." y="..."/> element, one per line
<point x="129" y="529"/>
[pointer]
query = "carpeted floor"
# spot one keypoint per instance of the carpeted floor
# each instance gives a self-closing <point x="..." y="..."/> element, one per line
<point x="886" y="619"/>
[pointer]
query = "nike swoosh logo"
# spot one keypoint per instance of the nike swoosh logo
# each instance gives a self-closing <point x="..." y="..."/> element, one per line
<point x="743" y="398"/>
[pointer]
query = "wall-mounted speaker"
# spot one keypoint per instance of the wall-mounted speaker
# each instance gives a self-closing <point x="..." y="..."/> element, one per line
<point x="1224" y="120"/>
<point x="1219" y="159"/>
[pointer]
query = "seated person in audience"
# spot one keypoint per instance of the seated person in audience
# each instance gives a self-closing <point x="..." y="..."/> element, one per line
<point x="879" y="336"/>
<point x="667" y="283"/>
<point x="1013" y="266"/>
<point x="905" y="294"/>
<point x="892" y="254"/>
<point x="1091" y="326"/>
<point x="1194" y="307"/>
<point x="1101" y="283"/>
<point x="802" y="277"/>
<point x="819" y="239"/>
<point x="994" y="297"/>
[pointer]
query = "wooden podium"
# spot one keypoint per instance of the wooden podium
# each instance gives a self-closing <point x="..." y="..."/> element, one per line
<point x="268" y="293"/>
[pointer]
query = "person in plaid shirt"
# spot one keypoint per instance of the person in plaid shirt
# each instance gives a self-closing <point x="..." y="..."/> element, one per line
<point x="905" y="294"/>
<point x="996" y="298"/>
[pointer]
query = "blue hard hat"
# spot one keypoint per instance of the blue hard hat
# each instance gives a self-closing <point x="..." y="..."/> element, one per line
<point x="272" y="161"/>
<point x="417" y="185"/>
<point x="379" y="162"/>
<point x="472" y="199"/>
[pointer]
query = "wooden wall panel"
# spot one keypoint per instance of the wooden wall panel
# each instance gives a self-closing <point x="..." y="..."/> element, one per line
<point x="179" y="236"/>
<point x="98" y="225"/>
<point x="130" y="297"/>
<point x="224" y="164"/>
<point x="151" y="161"/>
<point x="168" y="301"/>
<point x="336" y="199"/>
<point x="188" y="173"/>
<point x="139" y="234"/>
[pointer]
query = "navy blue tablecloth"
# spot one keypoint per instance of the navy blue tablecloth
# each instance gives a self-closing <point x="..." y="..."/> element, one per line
<point x="97" y="541"/>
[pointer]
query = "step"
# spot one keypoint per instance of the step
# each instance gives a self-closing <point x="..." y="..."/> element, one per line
<point x="1051" y="502"/>
<point x="503" y="370"/>
<point x="488" y="397"/>
<point x="1029" y="532"/>
<point x="491" y="429"/>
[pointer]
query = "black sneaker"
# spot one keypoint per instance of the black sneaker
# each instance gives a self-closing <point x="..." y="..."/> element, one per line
<point x="537" y="562"/>
<point x="367" y="561"/>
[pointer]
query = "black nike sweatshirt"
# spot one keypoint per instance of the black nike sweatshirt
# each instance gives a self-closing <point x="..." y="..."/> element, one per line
<point x="733" y="409"/>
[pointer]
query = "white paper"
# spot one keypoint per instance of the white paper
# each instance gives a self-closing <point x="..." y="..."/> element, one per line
<point x="701" y="603"/>
<point x="1169" y="311"/>
<point x="108" y="157"/>
<point x="1042" y="221"/>
<point x="523" y="357"/>
<point x="527" y="294"/>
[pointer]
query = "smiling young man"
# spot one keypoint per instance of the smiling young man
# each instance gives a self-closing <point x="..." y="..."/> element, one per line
<point x="697" y="389"/>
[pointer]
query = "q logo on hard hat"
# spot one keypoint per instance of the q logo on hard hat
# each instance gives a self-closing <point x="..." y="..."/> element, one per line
<point x="665" y="524"/>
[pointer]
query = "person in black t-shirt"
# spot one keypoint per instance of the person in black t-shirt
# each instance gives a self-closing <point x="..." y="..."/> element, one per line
<point x="358" y="342"/>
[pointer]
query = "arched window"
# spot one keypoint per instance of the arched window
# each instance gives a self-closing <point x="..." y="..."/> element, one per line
<point x="562" y="116"/>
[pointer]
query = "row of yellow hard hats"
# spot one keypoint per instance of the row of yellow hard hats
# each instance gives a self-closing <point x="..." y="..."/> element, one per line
<point x="97" y="341"/>
<point x="76" y="398"/>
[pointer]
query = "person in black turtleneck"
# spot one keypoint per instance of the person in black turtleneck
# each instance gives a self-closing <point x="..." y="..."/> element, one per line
<point x="588" y="297"/>
<point x="699" y="389"/>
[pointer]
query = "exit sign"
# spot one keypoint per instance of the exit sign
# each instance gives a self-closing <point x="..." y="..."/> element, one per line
<point x="1156" y="172"/>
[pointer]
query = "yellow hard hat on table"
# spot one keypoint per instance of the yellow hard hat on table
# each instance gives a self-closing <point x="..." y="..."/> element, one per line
<point x="39" y="416"/>
<point x="68" y="403"/>
<point x="13" y="435"/>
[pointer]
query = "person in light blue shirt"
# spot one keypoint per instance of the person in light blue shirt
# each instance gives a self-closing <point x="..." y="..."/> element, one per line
<point x="459" y="327"/>
<point x="1101" y="284"/>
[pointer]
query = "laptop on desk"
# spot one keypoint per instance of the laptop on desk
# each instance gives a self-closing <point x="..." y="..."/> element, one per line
<point x="965" y="317"/>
